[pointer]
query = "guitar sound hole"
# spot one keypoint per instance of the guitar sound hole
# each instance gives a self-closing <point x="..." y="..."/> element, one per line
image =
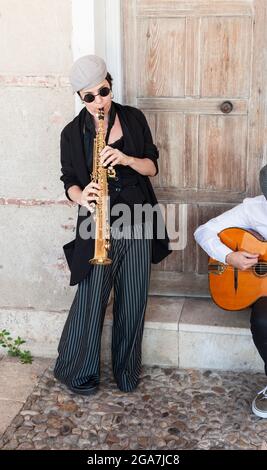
<point x="260" y="269"/>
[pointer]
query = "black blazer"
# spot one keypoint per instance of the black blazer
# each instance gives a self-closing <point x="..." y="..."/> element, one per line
<point x="138" y="143"/>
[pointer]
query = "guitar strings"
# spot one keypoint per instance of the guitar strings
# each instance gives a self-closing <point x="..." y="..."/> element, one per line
<point x="262" y="267"/>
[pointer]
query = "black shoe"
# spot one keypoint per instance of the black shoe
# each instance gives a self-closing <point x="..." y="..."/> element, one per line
<point x="84" y="389"/>
<point x="88" y="388"/>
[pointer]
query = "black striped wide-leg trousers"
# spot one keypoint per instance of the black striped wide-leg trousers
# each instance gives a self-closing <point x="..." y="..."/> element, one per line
<point x="78" y="362"/>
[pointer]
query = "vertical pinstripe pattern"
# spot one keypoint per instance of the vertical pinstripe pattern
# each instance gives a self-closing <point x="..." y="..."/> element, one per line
<point x="78" y="363"/>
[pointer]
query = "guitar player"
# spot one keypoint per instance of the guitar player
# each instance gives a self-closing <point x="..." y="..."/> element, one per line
<point x="250" y="214"/>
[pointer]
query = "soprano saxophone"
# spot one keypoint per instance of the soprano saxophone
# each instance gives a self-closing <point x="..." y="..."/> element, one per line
<point x="100" y="175"/>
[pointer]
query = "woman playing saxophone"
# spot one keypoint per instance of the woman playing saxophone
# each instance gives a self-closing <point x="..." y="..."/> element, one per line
<point x="122" y="140"/>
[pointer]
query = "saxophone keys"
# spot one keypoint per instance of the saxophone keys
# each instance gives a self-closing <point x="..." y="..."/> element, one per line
<point x="111" y="172"/>
<point x="107" y="245"/>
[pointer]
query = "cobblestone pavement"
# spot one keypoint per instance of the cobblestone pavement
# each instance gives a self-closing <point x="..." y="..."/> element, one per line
<point x="170" y="409"/>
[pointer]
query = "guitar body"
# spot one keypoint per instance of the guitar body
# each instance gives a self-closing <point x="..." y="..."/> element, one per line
<point x="230" y="288"/>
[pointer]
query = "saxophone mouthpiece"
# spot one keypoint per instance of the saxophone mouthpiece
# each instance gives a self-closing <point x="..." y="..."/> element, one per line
<point x="100" y="113"/>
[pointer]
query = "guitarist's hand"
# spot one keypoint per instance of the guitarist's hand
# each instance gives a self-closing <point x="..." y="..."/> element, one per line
<point x="242" y="259"/>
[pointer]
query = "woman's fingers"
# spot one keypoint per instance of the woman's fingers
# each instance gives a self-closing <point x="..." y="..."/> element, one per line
<point x="91" y="192"/>
<point x="92" y="185"/>
<point x="89" y="206"/>
<point x="111" y="160"/>
<point x="108" y="155"/>
<point x="116" y="161"/>
<point x="106" y="149"/>
<point x="91" y="198"/>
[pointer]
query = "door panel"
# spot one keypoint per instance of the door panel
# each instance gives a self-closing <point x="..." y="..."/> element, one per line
<point x="182" y="61"/>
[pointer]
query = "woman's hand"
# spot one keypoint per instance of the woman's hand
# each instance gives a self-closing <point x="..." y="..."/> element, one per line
<point x="90" y="193"/>
<point x="112" y="157"/>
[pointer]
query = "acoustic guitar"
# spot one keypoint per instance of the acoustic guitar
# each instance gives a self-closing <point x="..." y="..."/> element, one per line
<point x="230" y="288"/>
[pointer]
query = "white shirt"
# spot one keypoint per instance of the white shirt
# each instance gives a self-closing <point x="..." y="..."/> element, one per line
<point x="250" y="214"/>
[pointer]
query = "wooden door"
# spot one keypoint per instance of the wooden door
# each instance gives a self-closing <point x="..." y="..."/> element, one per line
<point x="198" y="71"/>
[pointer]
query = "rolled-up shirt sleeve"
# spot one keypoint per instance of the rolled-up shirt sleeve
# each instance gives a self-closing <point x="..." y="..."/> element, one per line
<point x="68" y="176"/>
<point x="207" y="237"/>
<point x="152" y="153"/>
<point x="150" y="149"/>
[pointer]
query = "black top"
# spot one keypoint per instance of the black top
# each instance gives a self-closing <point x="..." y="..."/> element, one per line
<point x="137" y="142"/>
<point x="125" y="187"/>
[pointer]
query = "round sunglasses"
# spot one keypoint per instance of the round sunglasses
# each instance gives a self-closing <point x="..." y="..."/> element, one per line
<point x="89" y="97"/>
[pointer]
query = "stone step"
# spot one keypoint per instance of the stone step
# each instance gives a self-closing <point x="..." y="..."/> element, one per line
<point x="172" y="284"/>
<point x="194" y="332"/>
<point x="179" y="331"/>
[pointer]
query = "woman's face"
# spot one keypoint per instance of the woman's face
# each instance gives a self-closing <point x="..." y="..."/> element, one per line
<point x="99" y="101"/>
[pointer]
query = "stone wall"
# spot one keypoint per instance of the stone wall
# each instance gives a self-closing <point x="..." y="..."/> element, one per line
<point x="36" y="102"/>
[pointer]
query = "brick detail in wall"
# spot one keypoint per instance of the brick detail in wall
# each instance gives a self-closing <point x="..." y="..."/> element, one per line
<point x="46" y="81"/>
<point x="34" y="202"/>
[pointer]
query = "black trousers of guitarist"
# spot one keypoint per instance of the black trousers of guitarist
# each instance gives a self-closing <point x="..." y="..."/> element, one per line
<point x="258" y="323"/>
